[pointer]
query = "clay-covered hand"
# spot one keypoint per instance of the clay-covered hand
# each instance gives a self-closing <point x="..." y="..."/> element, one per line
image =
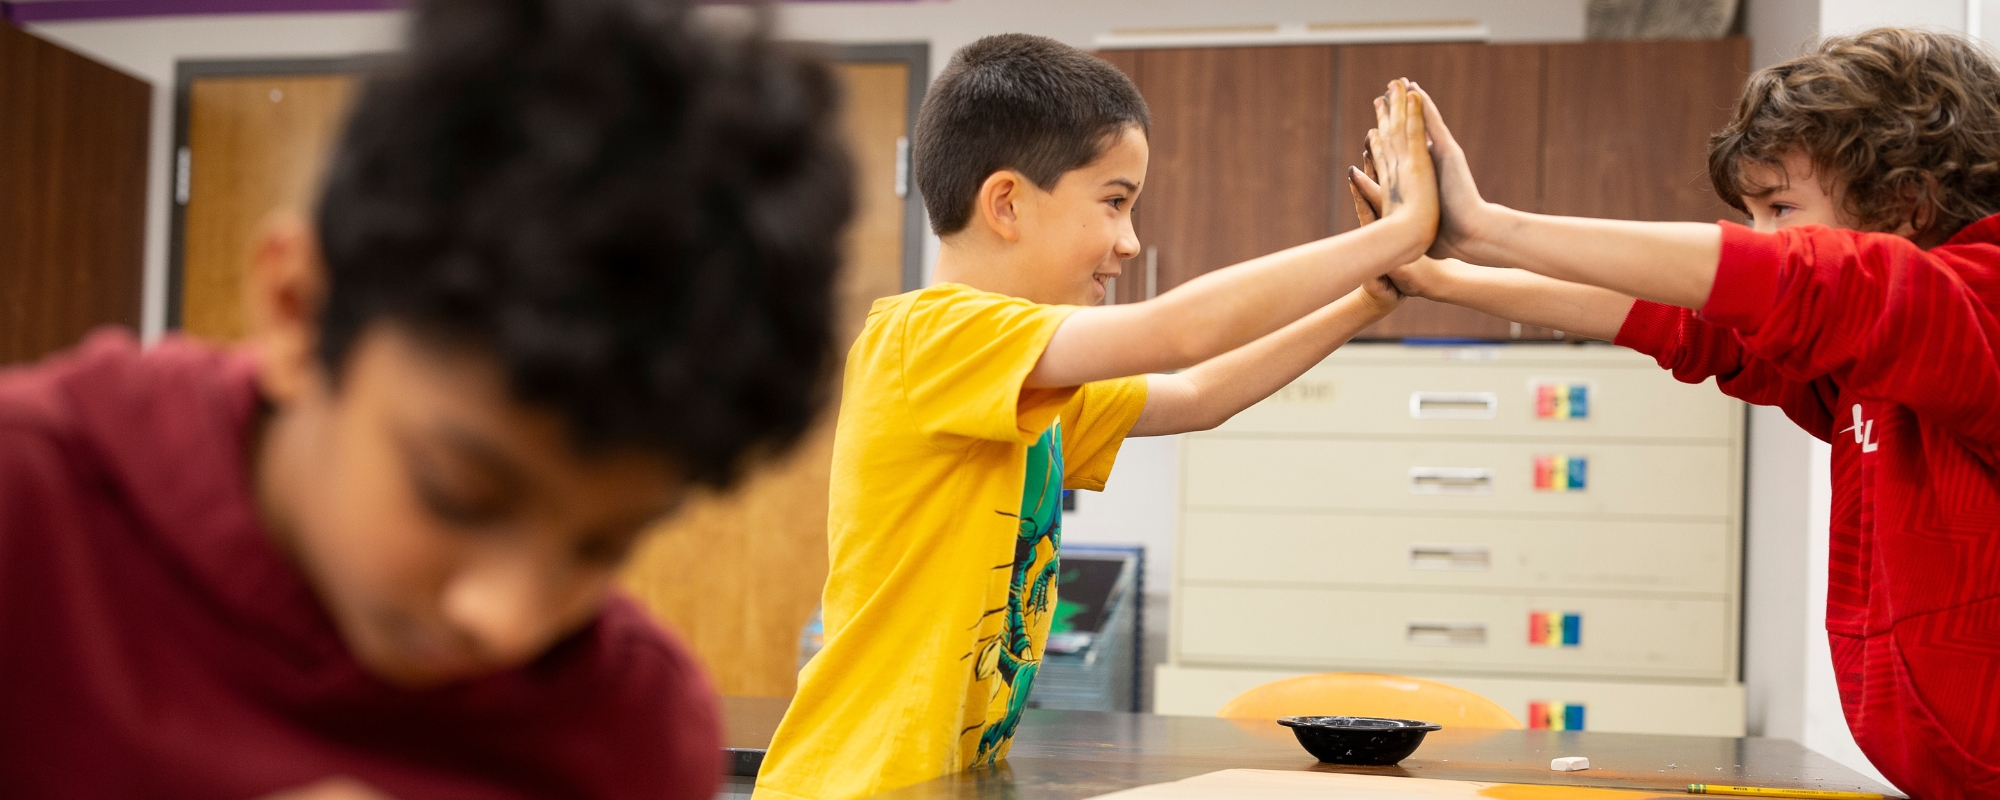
<point x="1399" y="152"/>
<point x="1463" y="214"/>
<point x="1408" y="279"/>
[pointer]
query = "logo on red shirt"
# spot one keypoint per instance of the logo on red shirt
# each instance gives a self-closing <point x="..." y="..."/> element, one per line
<point x="1864" y="431"/>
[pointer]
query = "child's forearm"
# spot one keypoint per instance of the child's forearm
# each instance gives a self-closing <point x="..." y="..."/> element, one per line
<point x="1226" y="309"/>
<point x="1210" y="393"/>
<point x="1666" y="262"/>
<point x="1521" y="296"/>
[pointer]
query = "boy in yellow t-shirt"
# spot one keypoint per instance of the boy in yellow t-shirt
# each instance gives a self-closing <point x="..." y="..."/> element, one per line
<point x="970" y="405"/>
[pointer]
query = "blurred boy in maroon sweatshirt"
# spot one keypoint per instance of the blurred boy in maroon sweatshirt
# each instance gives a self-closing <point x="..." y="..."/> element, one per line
<point x="1862" y="302"/>
<point x="573" y="258"/>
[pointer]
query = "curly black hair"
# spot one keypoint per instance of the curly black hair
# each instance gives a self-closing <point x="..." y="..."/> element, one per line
<point x="636" y="217"/>
<point x="1020" y="102"/>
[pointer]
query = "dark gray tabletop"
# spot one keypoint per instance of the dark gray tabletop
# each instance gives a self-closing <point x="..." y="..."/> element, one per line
<point x="1076" y="754"/>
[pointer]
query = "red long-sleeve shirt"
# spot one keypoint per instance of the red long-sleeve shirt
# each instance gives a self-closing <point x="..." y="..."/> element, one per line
<point x="1892" y="354"/>
<point x="155" y="643"/>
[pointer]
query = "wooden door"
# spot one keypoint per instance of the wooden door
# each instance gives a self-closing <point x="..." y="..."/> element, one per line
<point x="255" y="144"/>
<point x="738" y="576"/>
<point x="1625" y="127"/>
<point x="1492" y="96"/>
<point x="1241" y="159"/>
<point x="72" y="195"/>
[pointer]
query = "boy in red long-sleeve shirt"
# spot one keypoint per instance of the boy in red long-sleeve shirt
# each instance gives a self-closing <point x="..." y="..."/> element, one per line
<point x="1862" y="302"/>
<point x="572" y="259"/>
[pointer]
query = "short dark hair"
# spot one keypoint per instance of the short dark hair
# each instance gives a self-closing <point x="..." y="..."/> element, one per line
<point x="1901" y="119"/>
<point x="637" y="218"/>
<point x="1019" y="102"/>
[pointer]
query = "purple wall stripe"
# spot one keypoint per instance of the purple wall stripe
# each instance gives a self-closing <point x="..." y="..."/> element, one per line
<point x="53" y="10"/>
<point x="56" y="10"/>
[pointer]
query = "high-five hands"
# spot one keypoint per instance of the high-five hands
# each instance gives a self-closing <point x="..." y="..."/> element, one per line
<point x="1463" y="215"/>
<point x="1380" y="289"/>
<point x="1399" y="153"/>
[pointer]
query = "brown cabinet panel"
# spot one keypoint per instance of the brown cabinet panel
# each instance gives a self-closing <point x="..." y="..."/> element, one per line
<point x="1241" y="164"/>
<point x="1492" y="97"/>
<point x="1626" y="126"/>
<point x="1250" y="145"/>
<point x="72" y="195"/>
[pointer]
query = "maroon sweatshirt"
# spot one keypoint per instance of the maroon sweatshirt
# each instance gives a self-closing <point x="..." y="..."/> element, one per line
<point x="1891" y="353"/>
<point x="154" y="642"/>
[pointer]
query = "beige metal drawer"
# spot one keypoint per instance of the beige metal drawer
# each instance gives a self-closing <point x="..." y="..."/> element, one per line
<point x="1492" y="399"/>
<point x="1359" y="550"/>
<point x="1681" y="480"/>
<point x="1686" y="709"/>
<point x="1415" y="631"/>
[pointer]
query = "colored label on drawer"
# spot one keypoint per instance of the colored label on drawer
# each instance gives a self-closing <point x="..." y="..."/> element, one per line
<point x="1562" y="473"/>
<point x="1555" y="629"/>
<point x="1562" y="401"/>
<point x="1555" y="716"/>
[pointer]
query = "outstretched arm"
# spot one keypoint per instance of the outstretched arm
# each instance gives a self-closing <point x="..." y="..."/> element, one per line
<point x="1209" y="394"/>
<point x="1510" y="294"/>
<point x="1666" y="262"/>
<point x="1231" y="307"/>
<point x="1517" y="295"/>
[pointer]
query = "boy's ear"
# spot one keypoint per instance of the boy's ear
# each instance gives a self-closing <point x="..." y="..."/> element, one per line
<point x="282" y="294"/>
<point x="1923" y="213"/>
<point x="998" y="204"/>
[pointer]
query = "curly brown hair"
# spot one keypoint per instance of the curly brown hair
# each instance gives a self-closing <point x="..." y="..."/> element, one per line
<point x="1903" y="123"/>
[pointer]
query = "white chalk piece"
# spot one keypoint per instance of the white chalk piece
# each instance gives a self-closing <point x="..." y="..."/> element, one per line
<point x="1570" y="764"/>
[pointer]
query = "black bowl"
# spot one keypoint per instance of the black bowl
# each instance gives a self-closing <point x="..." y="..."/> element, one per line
<point x="1367" y="741"/>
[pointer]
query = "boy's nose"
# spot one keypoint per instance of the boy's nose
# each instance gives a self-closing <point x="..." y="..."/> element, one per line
<point x="503" y="606"/>
<point x="1128" y="241"/>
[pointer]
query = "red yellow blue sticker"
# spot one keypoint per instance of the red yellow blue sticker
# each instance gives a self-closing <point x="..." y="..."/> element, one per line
<point x="1562" y="400"/>
<point x="1555" y="716"/>
<point x="1555" y="629"/>
<point x="1562" y="473"/>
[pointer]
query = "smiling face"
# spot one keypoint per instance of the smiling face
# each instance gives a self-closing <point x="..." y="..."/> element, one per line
<point x="449" y="531"/>
<point x="1074" y="236"/>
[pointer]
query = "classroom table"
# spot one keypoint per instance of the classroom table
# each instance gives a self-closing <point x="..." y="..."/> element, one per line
<point x="1065" y="755"/>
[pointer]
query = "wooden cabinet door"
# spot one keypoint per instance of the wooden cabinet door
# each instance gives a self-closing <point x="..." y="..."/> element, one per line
<point x="256" y="144"/>
<point x="1625" y="127"/>
<point x="72" y="195"/>
<point x="1240" y="159"/>
<point x="738" y="575"/>
<point x="1491" y="95"/>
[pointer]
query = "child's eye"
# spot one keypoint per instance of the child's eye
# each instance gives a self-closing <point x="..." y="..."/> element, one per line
<point x="1117" y="202"/>
<point x="457" y="507"/>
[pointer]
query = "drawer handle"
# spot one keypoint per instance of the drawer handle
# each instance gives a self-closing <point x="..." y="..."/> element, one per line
<point x="1454" y="405"/>
<point x="1447" y="634"/>
<point x="1451" y="557"/>
<point x="1451" y="480"/>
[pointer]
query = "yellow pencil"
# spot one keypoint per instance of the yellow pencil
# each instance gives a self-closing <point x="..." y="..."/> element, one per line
<point x="1753" y="791"/>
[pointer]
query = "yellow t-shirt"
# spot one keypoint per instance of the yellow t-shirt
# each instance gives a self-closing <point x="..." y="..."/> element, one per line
<point x="944" y="528"/>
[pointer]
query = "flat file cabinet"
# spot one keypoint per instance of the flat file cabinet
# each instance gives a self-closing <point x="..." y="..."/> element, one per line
<point x="1556" y="526"/>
